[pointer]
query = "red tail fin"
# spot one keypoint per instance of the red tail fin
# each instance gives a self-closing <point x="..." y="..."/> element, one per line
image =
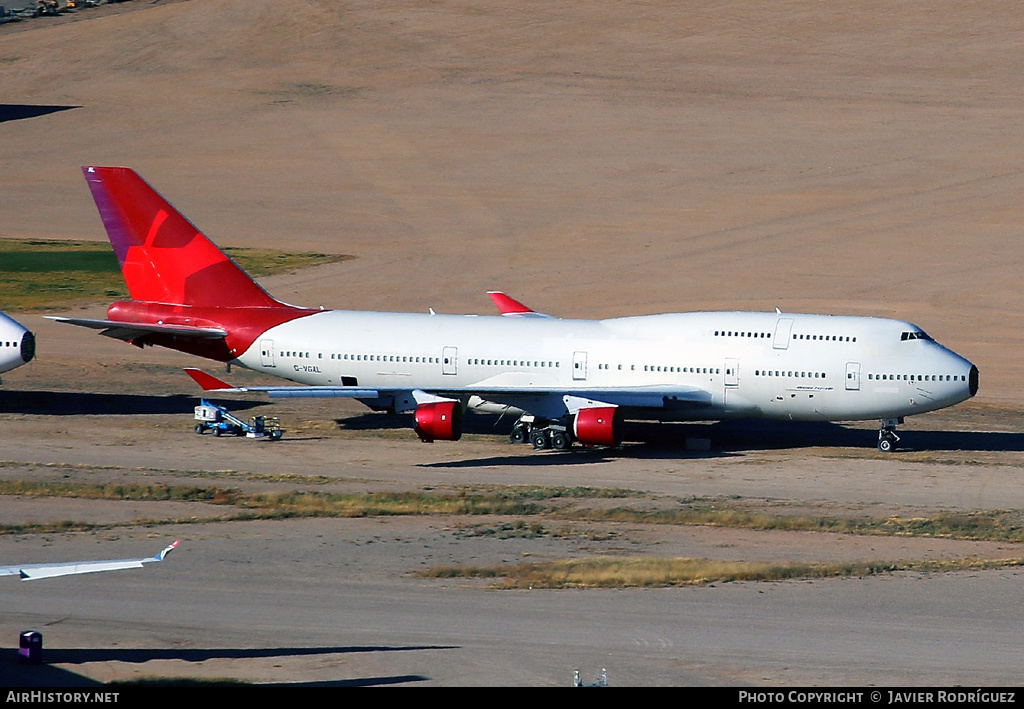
<point x="163" y="257"/>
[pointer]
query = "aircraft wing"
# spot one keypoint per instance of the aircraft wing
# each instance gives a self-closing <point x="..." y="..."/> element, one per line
<point x="637" y="396"/>
<point x="541" y="400"/>
<point x="128" y="331"/>
<point x="32" y="572"/>
<point x="211" y="383"/>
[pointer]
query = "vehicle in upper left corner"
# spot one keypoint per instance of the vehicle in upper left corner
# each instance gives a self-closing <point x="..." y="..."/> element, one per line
<point x="17" y="344"/>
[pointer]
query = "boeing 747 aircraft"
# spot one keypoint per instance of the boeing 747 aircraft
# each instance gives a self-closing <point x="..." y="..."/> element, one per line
<point x="17" y="345"/>
<point x="570" y="380"/>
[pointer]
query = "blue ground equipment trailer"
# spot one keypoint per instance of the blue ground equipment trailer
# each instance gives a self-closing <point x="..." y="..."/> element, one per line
<point x="211" y="417"/>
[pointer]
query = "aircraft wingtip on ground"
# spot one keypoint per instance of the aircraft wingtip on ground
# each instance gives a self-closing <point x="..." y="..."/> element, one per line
<point x="35" y="572"/>
<point x="168" y="549"/>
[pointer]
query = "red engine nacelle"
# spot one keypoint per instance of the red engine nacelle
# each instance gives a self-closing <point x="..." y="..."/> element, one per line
<point x="598" y="426"/>
<point x="439" y="420"/>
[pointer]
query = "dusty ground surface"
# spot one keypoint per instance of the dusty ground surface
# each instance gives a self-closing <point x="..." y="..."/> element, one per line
<point x="615" y="159"/>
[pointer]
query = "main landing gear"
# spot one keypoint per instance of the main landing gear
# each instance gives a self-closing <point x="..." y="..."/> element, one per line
<point x="887" y="438"/>
<point x="541" y="433"/>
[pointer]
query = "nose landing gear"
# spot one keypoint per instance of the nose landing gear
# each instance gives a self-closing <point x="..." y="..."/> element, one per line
<point x="887" y="438"/>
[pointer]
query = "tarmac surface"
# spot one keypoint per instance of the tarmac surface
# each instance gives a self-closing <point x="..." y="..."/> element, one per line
<point x="613" y="159"/>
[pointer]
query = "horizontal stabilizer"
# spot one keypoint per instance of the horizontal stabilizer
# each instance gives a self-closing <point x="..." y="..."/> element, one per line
<point x="129" y="331"/>
<point x="209" y="382"/>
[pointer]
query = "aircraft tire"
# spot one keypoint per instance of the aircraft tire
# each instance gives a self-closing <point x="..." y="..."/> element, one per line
<point x="560" y="441"/>
<point x="540" y="440"/>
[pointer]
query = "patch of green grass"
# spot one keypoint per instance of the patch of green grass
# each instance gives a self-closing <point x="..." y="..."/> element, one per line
<point x="43" y="275"/>
<point x="73" y="259"/>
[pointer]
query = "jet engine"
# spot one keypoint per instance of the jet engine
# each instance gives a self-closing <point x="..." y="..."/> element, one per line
<point x="598" y="426"/>
<point x="439" y="420"/>
<point x="28" y="347"/>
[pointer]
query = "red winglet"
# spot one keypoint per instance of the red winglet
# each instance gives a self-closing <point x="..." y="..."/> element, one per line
<point x="507" y="305"/>
<point x="207" y="381"/>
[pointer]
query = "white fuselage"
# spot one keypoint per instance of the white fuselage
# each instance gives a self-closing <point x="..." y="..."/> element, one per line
<point x="17" y="346"/>
<point x="774" y="365"/>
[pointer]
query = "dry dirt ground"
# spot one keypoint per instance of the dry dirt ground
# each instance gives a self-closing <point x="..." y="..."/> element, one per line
<point x="593" y="160"/>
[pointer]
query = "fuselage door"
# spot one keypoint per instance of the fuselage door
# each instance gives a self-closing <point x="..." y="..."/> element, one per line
<point x="450" y="360"/>
<point x="579" y="366"/>
<point x="853" y="376"/>
<point x="732" y="372"/>
<point x="783" y="331"/>
<point x="267" y="353"/>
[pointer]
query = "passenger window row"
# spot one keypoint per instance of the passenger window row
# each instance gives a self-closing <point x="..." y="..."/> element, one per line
<point x="730" y="333"/>
<point x="663" y="368"/>
<point x="918" y="377"/>
<point x="763" y="335"/>
<point x="512" y="363"/>
<point x="788" y="373"/>
<point x="825" y="338"/>
<point x="683" y="370"/>
<point x="384" y="358"/>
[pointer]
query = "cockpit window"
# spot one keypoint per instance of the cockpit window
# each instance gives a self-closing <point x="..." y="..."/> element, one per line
<point x="917" y="335"/>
